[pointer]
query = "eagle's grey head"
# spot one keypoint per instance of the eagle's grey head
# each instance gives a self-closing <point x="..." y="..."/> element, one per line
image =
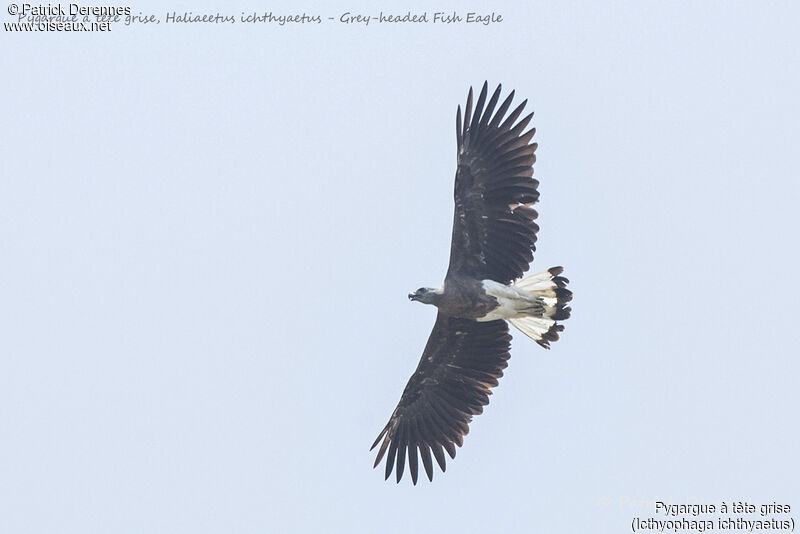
<point x="426" y="295"/>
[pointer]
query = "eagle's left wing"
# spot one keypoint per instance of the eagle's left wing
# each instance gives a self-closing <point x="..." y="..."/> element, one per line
<point x="460" y="364"/>
<point x="494" y="228"/>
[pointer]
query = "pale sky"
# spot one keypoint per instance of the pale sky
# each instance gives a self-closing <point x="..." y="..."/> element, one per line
<point x="208" y="233"/>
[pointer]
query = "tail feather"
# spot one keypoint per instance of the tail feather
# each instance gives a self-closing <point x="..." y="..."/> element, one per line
<point x="551" y="288"/>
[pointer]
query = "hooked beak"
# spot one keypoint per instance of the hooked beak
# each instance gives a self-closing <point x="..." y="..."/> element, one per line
<point x="412" y="296"/>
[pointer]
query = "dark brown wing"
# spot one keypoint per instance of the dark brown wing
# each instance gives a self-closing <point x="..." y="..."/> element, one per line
<point x="461" y="363"/>
<point x="494" y="232"/>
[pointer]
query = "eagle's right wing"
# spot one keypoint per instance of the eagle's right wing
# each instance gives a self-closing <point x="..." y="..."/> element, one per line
<point x="460" y="364"/>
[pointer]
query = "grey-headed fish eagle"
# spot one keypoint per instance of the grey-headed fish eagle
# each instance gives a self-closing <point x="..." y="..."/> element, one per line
<point x="494" y="236"/>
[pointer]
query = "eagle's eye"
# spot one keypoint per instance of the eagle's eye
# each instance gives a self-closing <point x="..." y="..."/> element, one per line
<point x="422" y="290"/>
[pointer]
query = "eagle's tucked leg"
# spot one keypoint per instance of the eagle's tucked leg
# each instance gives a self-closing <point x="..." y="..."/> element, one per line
<point x="534" y="304"/>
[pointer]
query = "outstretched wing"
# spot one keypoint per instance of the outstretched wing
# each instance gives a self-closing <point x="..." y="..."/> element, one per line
<point x="494" y="232"/>
<point x="460" y="364"/>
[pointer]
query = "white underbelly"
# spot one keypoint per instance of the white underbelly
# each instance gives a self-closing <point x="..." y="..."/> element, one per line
<point x="510" y="303"/>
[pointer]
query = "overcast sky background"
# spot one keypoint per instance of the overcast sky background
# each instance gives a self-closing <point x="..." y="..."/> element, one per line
<point x="207" y="236"/>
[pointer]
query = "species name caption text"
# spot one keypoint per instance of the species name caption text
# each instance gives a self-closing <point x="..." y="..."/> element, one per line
<point x="723" y="516"/>
<point x="76" y="17"/>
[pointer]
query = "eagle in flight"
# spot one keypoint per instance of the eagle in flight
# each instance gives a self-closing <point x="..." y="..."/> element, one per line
<point x="494" y="236"/>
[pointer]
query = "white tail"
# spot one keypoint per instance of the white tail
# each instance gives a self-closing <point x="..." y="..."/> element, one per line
<point x="550" y="288"/>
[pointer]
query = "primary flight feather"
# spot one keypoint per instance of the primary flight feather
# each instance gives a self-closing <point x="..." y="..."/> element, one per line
<point x="494" y="237"/>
